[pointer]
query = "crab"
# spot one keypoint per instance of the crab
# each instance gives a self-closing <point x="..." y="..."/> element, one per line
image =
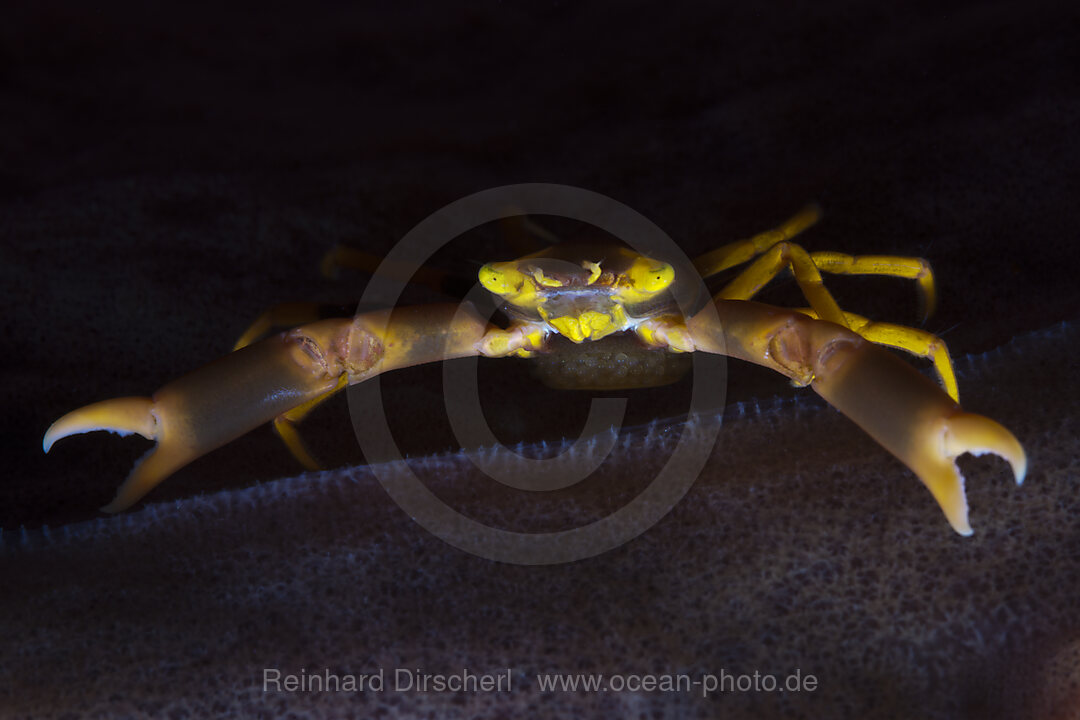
<point x="592" y="296"/>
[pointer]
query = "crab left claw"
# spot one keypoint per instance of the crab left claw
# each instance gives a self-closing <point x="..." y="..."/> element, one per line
<point x="125" y="416"/>
<point x="202" y="410"/>
<point x="122" y="416"/>
<point x="277" y="379"/>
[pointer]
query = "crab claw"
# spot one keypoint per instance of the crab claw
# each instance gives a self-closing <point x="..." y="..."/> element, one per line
<point x="211" y="406"/>
<point x="280" y="379"/>
<point x="902" y="410"/>
<point x="964" y="433"/>
<point x="125" y="416"/>
<point x="914" y="420"/>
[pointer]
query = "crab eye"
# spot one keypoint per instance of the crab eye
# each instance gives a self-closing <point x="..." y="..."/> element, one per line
<point x="650" y="276"/>
<point x="501" y="278"/>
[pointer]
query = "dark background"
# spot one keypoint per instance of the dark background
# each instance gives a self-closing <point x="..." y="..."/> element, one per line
<point x="168" y="173"/>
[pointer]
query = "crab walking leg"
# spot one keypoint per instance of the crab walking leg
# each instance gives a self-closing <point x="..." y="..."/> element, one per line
<point x="770" y="264"/>
<point x="221" y="401"/>
<point x="911" y="268"/>
<point x="910" y="340"/>
<point x="742" y="251"/>
<point x="902" y="410"/>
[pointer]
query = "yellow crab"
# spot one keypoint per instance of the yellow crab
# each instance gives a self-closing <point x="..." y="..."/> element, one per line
<point x="588" y="295"/>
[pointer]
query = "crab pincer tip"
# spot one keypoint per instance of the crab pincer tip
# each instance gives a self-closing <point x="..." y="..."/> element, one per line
<point x="946" y="484"/>
<point x="978" y="435"/>
<point x="120" y="415"/>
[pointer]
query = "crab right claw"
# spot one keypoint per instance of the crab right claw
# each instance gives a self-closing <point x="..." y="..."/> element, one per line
<point x="913" y="419"/>
<point x="902" y="410"/>
<point x="965" y="433"/>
